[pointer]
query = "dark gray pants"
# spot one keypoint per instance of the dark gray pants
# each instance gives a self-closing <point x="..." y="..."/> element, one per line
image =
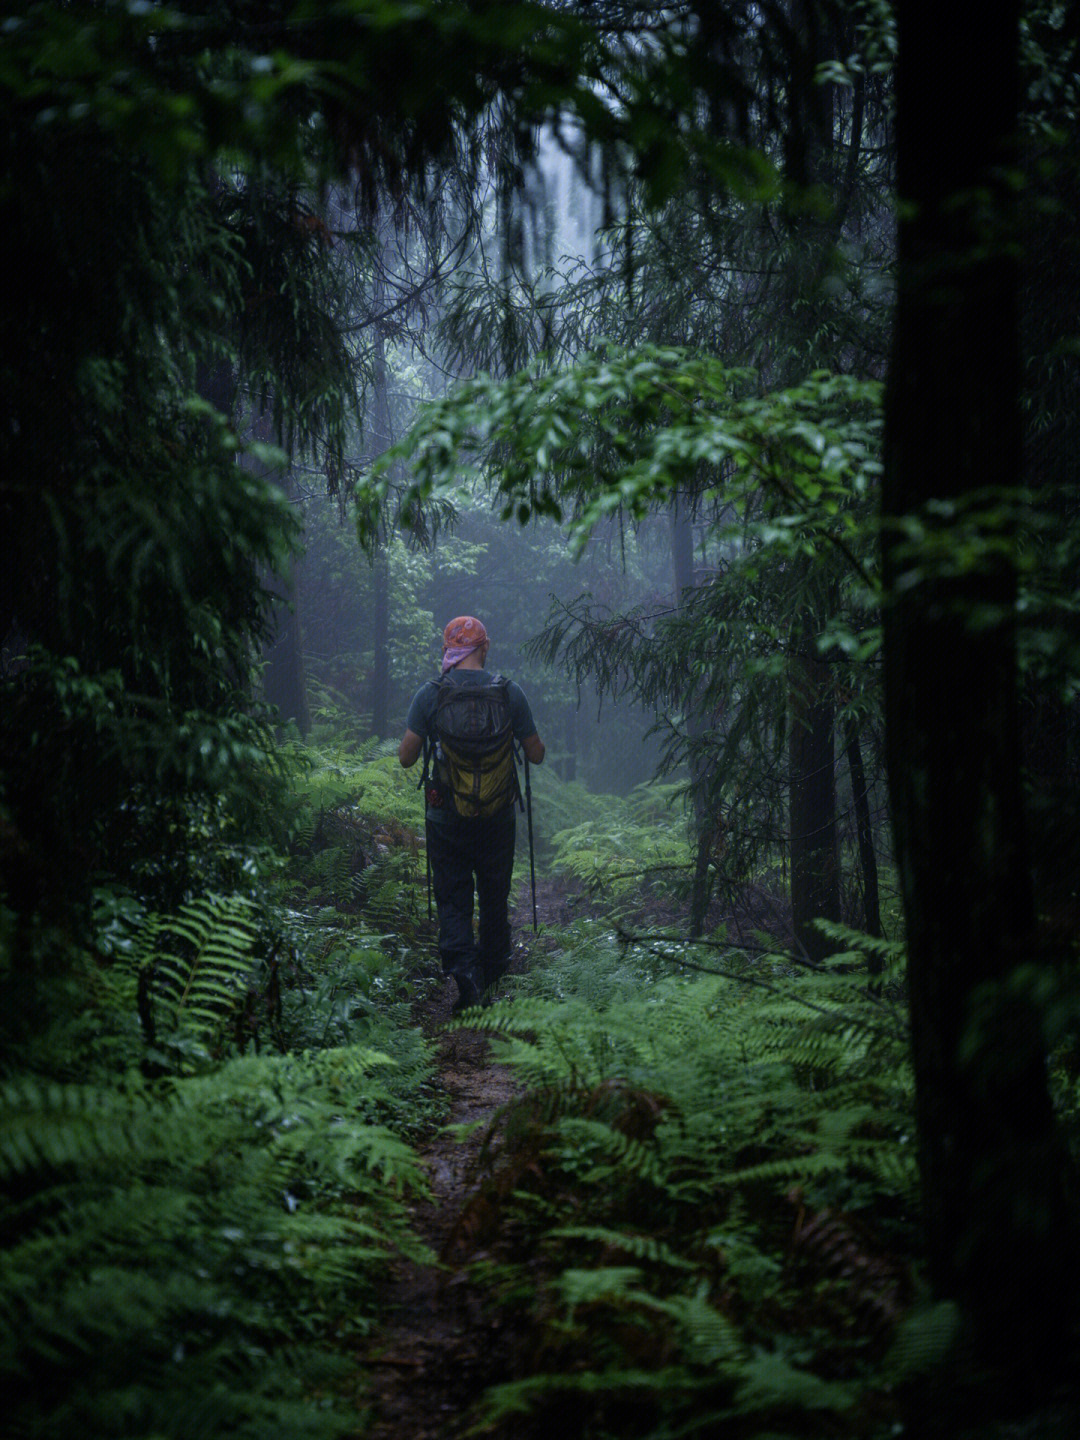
<point x="472" y="859"/>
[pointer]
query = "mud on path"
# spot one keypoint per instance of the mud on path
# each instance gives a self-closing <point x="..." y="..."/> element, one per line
<point x="442" y="1343"/>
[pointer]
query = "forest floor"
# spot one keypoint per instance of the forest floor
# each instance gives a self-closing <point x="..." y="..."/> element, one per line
<point x="443" y="1342"/>
<point x="445" y="1339"/>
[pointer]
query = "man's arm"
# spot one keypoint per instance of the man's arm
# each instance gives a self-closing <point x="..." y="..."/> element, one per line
<point x="412" y="744"/>
<point x="522" y="719"/>
<point x="533" y="747"/>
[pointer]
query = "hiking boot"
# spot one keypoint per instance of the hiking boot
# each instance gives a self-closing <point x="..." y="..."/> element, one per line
<point x="494" y="970"/>
<point x="468" y="992"/>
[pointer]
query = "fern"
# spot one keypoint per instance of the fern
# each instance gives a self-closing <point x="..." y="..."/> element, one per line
<point x="612" y="858"/>
<point x="389" y="891"/>
<point x="189" y="1253"/>
<point x="368" y="780"/>
<point x="148" y="1201"/>
<point x="194" y="969"/>
<point x="678" y="1115"/>
<point x="857" y="945"/>
<point x="47" y="1126"/>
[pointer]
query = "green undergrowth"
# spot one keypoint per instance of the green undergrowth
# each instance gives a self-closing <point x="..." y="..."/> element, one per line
<point x="702" y="1206"/>
<point x="698" y="1217"/>
<point x="621" y="853"/>
<point x="206" y="1127"/>
<point x="628" y="848"/>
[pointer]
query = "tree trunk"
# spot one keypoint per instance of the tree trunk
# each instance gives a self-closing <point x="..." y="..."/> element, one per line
<point x="382" y="439"/>
<point x="284" y="676"/>
<point x="815" y="860"/>
<point x="809" y="147"/>
<point x="380" y="674"/>
<point x="999" y="1232"/>
<point x="865" y="835"/>
<point x="682" y="557"/>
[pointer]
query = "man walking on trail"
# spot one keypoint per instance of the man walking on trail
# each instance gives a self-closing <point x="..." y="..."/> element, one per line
<point x="467" y="721"/>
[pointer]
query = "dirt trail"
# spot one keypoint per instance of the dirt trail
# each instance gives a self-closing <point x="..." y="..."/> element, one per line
<point x="442" y="1344"/>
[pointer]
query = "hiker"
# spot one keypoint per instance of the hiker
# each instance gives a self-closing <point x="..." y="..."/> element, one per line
<point x="466" y="723"/>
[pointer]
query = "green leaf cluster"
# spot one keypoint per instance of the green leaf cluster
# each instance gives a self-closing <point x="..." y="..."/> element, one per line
<point x="622" y="429"/>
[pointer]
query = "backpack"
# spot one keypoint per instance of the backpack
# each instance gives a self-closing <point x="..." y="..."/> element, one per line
<point x="475" y="746"/>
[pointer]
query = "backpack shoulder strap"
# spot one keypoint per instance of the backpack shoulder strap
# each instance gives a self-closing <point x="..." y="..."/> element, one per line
<point x="425" y="768"/>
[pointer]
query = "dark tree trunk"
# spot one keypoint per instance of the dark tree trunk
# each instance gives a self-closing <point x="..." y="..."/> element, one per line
<point x="284" y="679"/>
<point x="815" y="861"/>
<point x="809" y="161"/>
<point x="682" y="549"/>
<point x="284" y="676"/>
<point x="215" y="381"/>
<point x="682" y="555"/>
<point x="999" y="1231"/>
<point x="865" y="834"/>
<point x="380" y="674"/>
<point x="382" y="439"/>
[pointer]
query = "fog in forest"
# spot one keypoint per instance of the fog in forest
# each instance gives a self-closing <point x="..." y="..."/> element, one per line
<point x="361" y="633"/>
<point x="650" y="1005"/>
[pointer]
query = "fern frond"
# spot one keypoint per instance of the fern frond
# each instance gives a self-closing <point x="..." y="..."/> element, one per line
<point x="46" y="1125"/>
<point x="600" y="1148"/>
<point x="790" y="1167"/>
<point x="856" y="944"/>
<point x="194" y="969"/>
<point x="520" y="1397"/>
<point x="771" y="1383"/>
<point x="140" y="1207"/>
<point x="709" y="1338"/>
<point x="642" y="1247"/>
<point x="604" y="1285"/>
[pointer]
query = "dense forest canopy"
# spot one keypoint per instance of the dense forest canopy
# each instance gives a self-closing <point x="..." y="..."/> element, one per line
<point x="724" y="357"/>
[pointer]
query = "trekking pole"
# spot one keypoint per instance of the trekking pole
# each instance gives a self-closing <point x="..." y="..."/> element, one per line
<point x="423" y="785"/>
<point x="532" y="861"/>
